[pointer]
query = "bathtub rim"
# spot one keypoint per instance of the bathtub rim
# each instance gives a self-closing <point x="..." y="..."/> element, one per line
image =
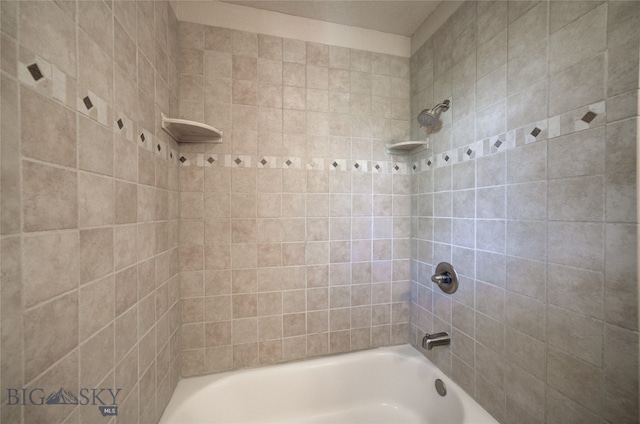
<point x="187" y="387"/>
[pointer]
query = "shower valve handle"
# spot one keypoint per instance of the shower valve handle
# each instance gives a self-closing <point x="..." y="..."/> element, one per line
<point x="446" y="278"/>
<point x="442" y="278"/>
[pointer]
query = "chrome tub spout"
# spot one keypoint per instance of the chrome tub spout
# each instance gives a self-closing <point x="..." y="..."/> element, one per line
<point x="437" y="339"/>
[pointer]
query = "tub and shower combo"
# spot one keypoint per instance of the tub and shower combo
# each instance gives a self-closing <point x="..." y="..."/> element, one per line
<point x="386" y="385"/>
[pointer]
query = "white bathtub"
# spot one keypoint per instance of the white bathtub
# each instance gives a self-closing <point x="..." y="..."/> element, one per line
<point x="386" y="385"/>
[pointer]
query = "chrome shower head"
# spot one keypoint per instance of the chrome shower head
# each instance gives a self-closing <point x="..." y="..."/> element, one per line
<point x="429" y="117"/>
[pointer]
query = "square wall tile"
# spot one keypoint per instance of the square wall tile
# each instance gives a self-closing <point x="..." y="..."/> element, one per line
<point x="49" y="197"/>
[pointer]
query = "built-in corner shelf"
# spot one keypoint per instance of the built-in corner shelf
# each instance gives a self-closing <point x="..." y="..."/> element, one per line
<point x="185" y="131"/>
<point x="405" y="147"/>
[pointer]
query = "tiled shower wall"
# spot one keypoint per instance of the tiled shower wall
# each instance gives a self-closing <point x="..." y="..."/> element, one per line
<point x="295" y="231"/>
<point x="89" y="227"/>
<point x="528" y="189"/>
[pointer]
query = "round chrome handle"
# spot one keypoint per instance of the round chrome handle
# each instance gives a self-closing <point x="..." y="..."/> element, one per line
<point x="446" y="278"/>
<point x="441" y="279"/>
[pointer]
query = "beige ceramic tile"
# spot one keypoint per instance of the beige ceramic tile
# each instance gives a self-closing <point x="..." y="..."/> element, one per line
<point x="46" y="342"/>
<point x="40" y="115"/>
<point x="96" y="253"/>
<point x="50" y="265"/>
<point x="57" y="43"/>
<point x="49" y="197"/>
<point x="95" y="200"/>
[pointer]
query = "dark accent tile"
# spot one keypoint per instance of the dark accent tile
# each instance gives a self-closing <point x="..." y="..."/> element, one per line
<point x="469" y="152"/>
<point x="238" y="161"/>
<point x="335" y="164"/>
<point x="356" y="165"/>
<point x="87" y="103"/>
<point x="536" y="131"/>
<point x="171" y="155"/>
<point x="120" y="123"/>
<point x="182" y="159"/>
<point x="142" y="137"/>
<point x="288" y="162"/>
<point x="263" y="161"/>
<point x="589" y="116"/>
<point x="211" y="160"/>
<point x="446" y="158"/>
<point x="415" y="167"/>
<point x="158" y="147"/>
<point x="377" y="166"/>
<point x="428" y="163"/>
<point x="498" y="143"/>
<point x="35" y="72"/>
<point x="397" y="168"/>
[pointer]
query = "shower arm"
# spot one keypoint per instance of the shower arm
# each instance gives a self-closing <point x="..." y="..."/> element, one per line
<point x="444" y="106"/>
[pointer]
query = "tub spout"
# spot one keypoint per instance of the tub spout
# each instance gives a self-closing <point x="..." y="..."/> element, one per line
<point x="437" y="339"/>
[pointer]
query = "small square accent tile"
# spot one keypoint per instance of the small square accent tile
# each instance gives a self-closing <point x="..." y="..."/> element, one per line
<point x="35" y="72"/>
<point x="292" y="163"/>
<point x="171" y="155"/>
<point x="397" y="168"/>
<point x="142" y="137"/>
<point x="377" y="166"/>
<point x="270" y="162"/>
<point x="87" y="103"/>
<point x="498" y="143"/>
<point x="535" y="132"/>
<point x="199" y="160"/>
<point x="469" y="151"/>
<point x="238" y="161"/>
<point x="415" y="167"/>
<point x="315" y="163"/>
<point x="356" y="165"/>
<point x="429" y="163"/>
<point x="589" y="116"/>
<point x="446" y="158"/>
<point x="335" y="164"/>
<point x="211" y="160"/>
<point x="120" y="123"/>
<point x="158" y="147"/>
<point x="555" y="126"/>
<point x="183" y="159"/>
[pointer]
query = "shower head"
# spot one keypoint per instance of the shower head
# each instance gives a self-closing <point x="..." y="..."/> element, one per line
<point x="429" y="117"/>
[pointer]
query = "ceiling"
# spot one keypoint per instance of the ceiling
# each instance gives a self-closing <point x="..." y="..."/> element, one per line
<point x="391" y="16"/>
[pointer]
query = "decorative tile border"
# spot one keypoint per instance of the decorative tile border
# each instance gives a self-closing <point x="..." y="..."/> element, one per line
<point x="577" y="120"/>
<point x="45" y="78"/>
<point x="124" y="126"/>
<point x="316" y="164"/>
<point x="292" y="162"/>
<point x="90" y="104"/>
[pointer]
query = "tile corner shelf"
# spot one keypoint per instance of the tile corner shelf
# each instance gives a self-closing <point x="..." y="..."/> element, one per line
<point x="185" y="131"/>
<point x="405" y="147"/>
